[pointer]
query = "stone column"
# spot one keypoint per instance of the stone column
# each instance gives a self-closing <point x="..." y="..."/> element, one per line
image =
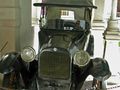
<point x="98" y="23"/>
<point x="25" y="35"/>
<point x="98" y="27"/>
<point x="112" y="32"/>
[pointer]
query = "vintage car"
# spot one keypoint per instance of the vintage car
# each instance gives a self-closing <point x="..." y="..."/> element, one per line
<point x="66" y="50"/>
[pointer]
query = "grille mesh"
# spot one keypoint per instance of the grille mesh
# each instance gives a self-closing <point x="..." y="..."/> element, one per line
<point x="55" y="65"/>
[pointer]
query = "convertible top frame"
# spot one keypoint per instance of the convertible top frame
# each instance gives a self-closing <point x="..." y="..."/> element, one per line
<point x="62" y="5"/>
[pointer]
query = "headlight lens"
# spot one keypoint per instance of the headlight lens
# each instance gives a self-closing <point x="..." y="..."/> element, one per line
<point x="81" y="58"/>
<point x="28" y="54"/>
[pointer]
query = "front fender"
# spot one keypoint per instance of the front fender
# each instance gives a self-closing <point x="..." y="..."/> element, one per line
<point x="100" y="69"/>
<point x="7" y="62"/>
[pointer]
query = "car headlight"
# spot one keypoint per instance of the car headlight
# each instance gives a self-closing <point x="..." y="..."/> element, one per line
<point x="28" y="54"/>
<point x="81" y="58"/>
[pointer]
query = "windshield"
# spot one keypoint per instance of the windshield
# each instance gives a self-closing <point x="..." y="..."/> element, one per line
<point x="66" y="18"/>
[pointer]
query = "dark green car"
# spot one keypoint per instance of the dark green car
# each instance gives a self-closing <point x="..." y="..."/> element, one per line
<point x="66" y="49"/>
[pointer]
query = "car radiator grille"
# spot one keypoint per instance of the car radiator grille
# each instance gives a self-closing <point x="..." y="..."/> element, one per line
<point x="54" y="65"/>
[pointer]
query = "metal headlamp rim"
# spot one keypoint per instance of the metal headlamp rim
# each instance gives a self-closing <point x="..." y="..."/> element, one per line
<point x="86" y="53"/>
<point x="33" y="50"/>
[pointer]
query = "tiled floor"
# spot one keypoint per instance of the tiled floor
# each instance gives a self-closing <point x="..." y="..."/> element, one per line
<point x="113" y="83"/>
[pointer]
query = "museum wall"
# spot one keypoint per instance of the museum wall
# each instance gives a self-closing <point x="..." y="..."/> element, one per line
<point x="9" y="23"/>
<point x="15" y="25"/>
